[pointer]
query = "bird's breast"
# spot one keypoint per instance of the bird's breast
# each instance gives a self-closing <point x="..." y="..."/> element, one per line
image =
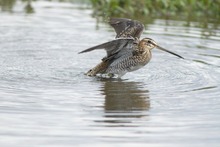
<point x="143" y="57"/>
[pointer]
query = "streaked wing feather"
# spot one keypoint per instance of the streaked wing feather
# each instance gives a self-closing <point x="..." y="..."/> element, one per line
<point x="100" y="46"/>
<point x="112" y="47"/>
<point x="126" y="27"/>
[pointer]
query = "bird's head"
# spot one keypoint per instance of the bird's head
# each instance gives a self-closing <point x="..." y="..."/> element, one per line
<point x="148" y="43"/>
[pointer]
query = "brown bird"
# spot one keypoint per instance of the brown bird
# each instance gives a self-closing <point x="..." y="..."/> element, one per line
<point x="127" y="52"/>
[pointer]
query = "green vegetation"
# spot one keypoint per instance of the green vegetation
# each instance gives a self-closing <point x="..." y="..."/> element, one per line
<point x="195" y="10"/>
<point x="202" y="11"/>
<point x="7" y="5"/>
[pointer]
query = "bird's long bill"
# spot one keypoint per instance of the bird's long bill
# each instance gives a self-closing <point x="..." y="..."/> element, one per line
<point x="163" y="49"/>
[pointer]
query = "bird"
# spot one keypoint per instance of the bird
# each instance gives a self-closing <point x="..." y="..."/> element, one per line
<point x="127" y="52"/>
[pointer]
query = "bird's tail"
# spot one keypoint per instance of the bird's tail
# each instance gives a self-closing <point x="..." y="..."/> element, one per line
<point x="100" y="68"/>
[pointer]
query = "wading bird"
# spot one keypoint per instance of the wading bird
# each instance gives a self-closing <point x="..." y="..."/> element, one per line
<point x="127" y="52"/>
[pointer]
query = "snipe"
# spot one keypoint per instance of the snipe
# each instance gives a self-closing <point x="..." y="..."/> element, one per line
<point x="127" y="52"/>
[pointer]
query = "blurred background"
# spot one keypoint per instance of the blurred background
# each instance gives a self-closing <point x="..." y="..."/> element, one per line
<point x="203" y="11"/>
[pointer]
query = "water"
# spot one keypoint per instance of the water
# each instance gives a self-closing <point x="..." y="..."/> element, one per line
<point x="47" y="101"/>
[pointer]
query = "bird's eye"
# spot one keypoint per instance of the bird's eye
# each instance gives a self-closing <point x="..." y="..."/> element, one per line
<point x="148" y="41"/>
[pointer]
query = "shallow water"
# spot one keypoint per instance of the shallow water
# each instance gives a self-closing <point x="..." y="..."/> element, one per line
<point x="47" y="101"/>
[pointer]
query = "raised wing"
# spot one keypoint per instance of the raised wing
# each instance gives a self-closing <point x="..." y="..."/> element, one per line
<point x="125" y="28"/>
<point x="115" y="47"/>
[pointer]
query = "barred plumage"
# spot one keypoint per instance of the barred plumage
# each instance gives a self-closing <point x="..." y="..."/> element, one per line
<point x="126" y="53"/>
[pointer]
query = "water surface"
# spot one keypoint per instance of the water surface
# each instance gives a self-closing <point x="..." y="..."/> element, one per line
<point x="47" y="101"/>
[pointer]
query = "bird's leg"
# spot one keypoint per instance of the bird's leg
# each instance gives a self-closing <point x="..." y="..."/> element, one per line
<point x="111" y="75"/>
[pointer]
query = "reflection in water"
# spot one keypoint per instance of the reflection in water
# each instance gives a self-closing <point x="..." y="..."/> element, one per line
<point x="125" y="96"/>
<point x="28" y="8"/>
<point x="124" y="101"/>
<point x="7" y="5"/>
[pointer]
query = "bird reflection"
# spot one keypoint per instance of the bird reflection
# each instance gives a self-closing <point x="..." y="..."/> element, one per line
<point x="124" y="101"/>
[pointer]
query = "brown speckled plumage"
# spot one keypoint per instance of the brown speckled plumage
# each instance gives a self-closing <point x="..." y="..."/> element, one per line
<point x="127" y="52"/>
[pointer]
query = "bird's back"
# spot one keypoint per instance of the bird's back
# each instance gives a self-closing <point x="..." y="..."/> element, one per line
<point x="129" y="61"/>
<point x="117" y="61"/>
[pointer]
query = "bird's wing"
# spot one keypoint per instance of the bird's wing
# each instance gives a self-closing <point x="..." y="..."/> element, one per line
<point x="114" y="46"/>
<point x="125" y="28"/>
